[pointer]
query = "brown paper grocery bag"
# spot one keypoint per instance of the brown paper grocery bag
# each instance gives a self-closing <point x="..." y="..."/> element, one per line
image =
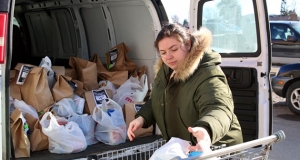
<point x="118" y="60"/>
<point x="129" y="112"/>
<point x="79" y="90"/>
<point x="86" y="72"/>
<point x="48" y="109"/>
<point x="62" y="88"/>
<point x="139" y="72"/>
<point x="59" y="70"/>
<point x="90" y="102"/>
<point x="38" y="140"/>
<point x="35" y="91"/>
<point x="70" y="72"/>
<point x="12" y="75"/>
<point x="30" y="120"/>
<point x="100" y="67"/>
<point x="116" y="77"/>
<point x="15" y="89"/>
<point x="20" y="140"/>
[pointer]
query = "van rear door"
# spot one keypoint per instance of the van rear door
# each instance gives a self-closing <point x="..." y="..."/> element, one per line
<point x="240" y="31"/>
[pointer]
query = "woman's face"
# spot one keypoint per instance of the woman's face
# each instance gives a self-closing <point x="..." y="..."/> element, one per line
<point x="172" y="51"/>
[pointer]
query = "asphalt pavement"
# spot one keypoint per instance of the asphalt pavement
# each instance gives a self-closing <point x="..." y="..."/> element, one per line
<point x="284" y="119"/>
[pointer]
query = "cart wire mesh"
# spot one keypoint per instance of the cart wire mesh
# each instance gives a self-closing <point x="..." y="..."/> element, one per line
<point x="253" y="150"/>
<point x="138" y="152"/>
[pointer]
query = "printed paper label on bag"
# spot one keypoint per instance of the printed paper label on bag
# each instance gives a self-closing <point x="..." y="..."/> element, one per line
<point x="137" y="107"/>
<point x="23" y="74"/>
<point x="113" y="57"/>
<point x="99" y="96"/>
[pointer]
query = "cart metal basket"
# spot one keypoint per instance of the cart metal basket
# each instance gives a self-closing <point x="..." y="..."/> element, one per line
<point x="253" y="150"/>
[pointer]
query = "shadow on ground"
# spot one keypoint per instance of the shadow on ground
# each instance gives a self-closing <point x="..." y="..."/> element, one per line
<point x="289" y="117"/>
<point x="280" y="104"/>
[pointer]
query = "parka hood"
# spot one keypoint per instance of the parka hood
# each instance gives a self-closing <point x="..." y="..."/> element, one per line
<point x="198" y="55"/>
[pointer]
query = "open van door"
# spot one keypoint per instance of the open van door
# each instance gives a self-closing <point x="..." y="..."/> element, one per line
<point x="241" y="35"/>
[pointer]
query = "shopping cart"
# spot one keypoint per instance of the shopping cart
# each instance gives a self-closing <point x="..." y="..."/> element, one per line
<point x="253" y="150"/>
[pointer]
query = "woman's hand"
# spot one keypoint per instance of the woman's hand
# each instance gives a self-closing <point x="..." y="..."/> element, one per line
<point x="202" y="137"/>
<point x="133" y="126"/>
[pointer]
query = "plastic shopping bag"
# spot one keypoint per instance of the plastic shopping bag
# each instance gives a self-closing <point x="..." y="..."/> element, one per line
<point x="65" y="107"/>
<point x="25" y="108"/>
<point x="133" y="90"/>
<point x="175" y="147"/>
<point x="111" y="127"/>
<point x="47" y="64"/>
<point x="87" y="125"/>
<point x="63" y="139"/>
<point x="106" y="84"/>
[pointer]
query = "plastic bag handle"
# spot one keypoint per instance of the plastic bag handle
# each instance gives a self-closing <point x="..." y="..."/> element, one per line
<point x="51" y="118"/>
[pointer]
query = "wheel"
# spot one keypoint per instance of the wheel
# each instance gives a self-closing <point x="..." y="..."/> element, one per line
<point x="293" y="97"/>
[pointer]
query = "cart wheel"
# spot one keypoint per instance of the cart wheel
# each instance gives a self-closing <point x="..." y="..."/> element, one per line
<point x="293" y="97"/>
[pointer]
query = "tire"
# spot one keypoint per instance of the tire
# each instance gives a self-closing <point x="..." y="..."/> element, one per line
<point x="293" y="97"/>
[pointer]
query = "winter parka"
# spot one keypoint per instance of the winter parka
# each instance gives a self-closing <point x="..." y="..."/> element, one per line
<point x="197" y="95"/>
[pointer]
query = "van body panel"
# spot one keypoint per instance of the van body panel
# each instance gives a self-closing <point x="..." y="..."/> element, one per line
<point x="247" y="63"/>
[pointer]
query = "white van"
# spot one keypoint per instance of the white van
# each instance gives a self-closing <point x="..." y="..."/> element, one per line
<point x="60" y="29"/>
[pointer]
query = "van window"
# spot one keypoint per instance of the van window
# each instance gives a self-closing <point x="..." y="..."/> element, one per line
<point x="233" y="26"/>
<point x="177" y="11"/>
<point x="296" y="26"/>
<point x="281" y="32"/>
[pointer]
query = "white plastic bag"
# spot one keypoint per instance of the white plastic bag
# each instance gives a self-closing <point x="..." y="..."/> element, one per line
<point x="25" y="108"/>
<point x="47" y="64"/>
<point x="87" y="125"/>
<point x="133" y="90"/>
<point x="65" y="107"/>
<point x="11" y="105"/>
<point x="63" y="139"/>
<point x="175" y="147"/>
<point x="80" y="104"/>
<point x="106" y="84"/>
<point x="111" y="127"/>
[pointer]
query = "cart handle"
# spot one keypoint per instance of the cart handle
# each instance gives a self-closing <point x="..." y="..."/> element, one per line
<point x="276" y="137"/>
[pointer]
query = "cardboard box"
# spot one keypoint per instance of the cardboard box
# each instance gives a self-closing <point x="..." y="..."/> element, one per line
<point x="90" y="104"/>
<point x="129" y="112"/>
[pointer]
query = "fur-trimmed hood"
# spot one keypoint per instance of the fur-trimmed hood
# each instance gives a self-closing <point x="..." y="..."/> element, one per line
<point x="199" y="52"/>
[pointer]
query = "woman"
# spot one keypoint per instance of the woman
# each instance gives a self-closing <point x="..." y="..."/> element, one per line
<point x="190" y="97"/>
